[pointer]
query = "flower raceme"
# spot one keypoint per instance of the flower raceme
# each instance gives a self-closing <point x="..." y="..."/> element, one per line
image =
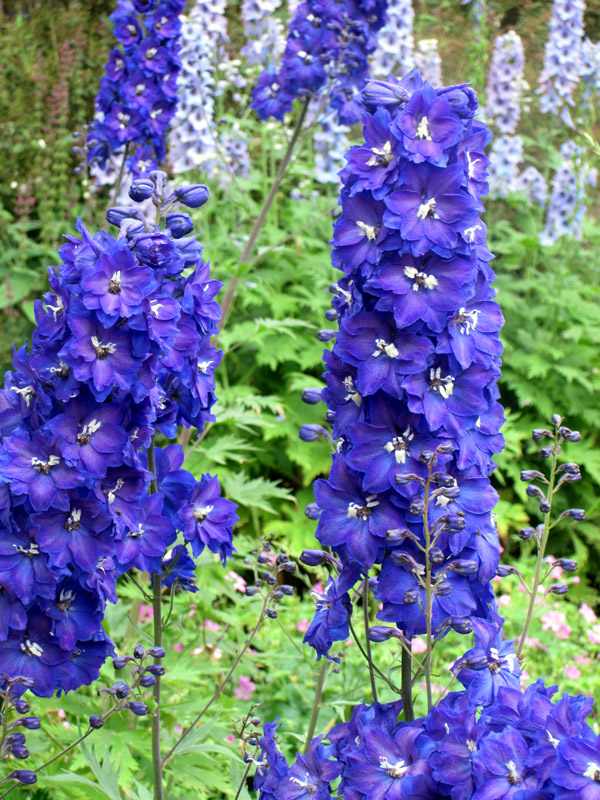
<point x="328" y="45"/>
<point x="137" y="97"/>
<point x="121" y="353"/>
<point x="412" y="377"/>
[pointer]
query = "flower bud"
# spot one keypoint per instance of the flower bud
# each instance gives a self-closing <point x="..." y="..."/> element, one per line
<point x="139" y="709"/>
<point x="505" y="569"/>
<point x="272" y="613"/>
<point x="326" y="335"/>
<point x="19" y="751"/>
<point x="398" y="535"/>
<point x="545" y="506"/>
<point x="426" y="456"/>
<point x="115" y="216"/>
<point x="192" y="196"/>
<point x="531" y="475"/>
<point x="534" y="491"/>
<point x="147" y="680"/>
<point x="121" y="689"/>
<point x="381" y="633"/>
<point x="121" y="661"/>
<point x="312" y="396"/>
<point x="546" y="452"/>
<point x="454" y="523"/>
<point x="464" y="566"/>
<point x="138" y="651"/>
<point x="526" y="533"/>
<point x="96" y="722"/>
<point x="540" y="433"/>
<point x="416" y="507"/>
<point x="444" y="480"/>
<point x="557" y="588"/>
<point x="578" y="514"/>
<point x="574" y="436"/>
<point x="310" y="433"/>
<point x="410" y="597"/>
<point x="26" y="776"/>
<point x="312" y="511"/>
<point x="31" y="723"/>
<point x="436" y="555"/>
<point x="556" y="419"/>
<point x="21" y="706"/>
<point x="252" y="590"/>
<point x="287" y="590"/>
<point x="141" y="189"/>
<point x="476" y="661"/>
<point x="331" y="314"/>
<point x="564" y="432"/>
<point x="447" y="448"/>
<point x="568" y="564"/>
<point x="443" y="589"/>
<point x="156" y="652"/>
<point x="155" y="669"/>
<point x="287" y="566"/>
<point x="314" y="558"/>
<point x="404" y="478"/>
<point x="179" y="224"/>
<point x="569" y="468"/>
<point x="330" y="416"/>
<point x="460" y="624"/>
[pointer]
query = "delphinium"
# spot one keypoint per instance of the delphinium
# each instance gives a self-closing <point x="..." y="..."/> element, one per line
<point x="395" y="41"/>
<point x="502" y="111"/>
<point x="562" y="58"/>
<point x="138" y="91"/>
<point x="406" y="512"/>
<point x="532" y="182"/>
<point x="566" y="206"/>
<point x="121" y="356"/>
<point x="264" y="32"/>
<point x="15" y="719"/>
<point x="428" y="61"/>
<point x="328" y="45"/>
<point x="330" y="143"/>
<point x="193" y="141"/>
<point x="589" y="69"/>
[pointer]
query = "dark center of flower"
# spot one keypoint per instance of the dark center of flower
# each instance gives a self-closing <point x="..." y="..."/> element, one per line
<point x="45" y="466"/>
<point x="363" y="512"/>
<point x="513" y="776"/>
<point x="102" y="350"/>
<point x="83" y="438"/>
<point x="65" y="600"/>
<point x="494" y="667"/>
<point x="114" y="287"/>
<point x="441" y="385"/>
<point x="202" y="512"/>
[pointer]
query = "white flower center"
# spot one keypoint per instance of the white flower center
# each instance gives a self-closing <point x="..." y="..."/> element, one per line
<point x="202" y="512"/>
<point x="381" y="155"/>
<point x="427" y="208"/>
<point x="472" y="164"/>
<point x="381" y="346"/>
<point x="469" y="233"/>
<point x="399" y="445"/>
<point x="203" y="366"/>
<point x="32" y="648"/>
<point x="554" y="742"/>
<point x="102" y="350"/>
<point x="363" y="512"/>
<point x="443" y="386"/>
<point x="467" y="320"/>
<point x="592" y="771"/>
<point x="369" y="230"/>
<point x="26" y="392"/>
<point x="353" y="394"/>
<point x="45" y="466"/>
<point x="471" y="745"/>
<point x="423" y="129"/>
<point x="513" y="775"/>
<point x="396" y="770"/>
<point x="420" y="279"/>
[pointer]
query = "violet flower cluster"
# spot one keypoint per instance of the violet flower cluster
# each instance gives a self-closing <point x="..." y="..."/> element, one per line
<point x="264" y="32"/>
<point x="412" y="377"/>
<point x="330" y="143"/>
<point x="519" y="746"/>
<point x="506" y="83"/>
<point x="395" y="41"/>
<point x="590" y="69"/>
<point x="328" y="44"/>
<point x="138" y="92"/>
<point x="121" y="353"/>
<point x="562" y="58"/>
<point x="566" y="207"/>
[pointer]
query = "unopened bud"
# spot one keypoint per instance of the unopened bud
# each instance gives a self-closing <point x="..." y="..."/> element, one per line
<point x="557" y="588"/>
<point x="312" y="396"/>
<point x="192" y="196"/>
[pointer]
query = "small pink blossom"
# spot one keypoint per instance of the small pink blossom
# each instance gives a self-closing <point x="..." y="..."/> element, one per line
<point x="197" y="650"/>
<point x="302" y="626"/>
<point x="530" y="642"/>
<point x="239" y="583"/>
<point x="576" y="579"/>
<point x="178" y="647"/>
<point x="245" y="688"/>
<point x="146" y="613"/>
<point x="504" y="600"/>
<point x="419" y="645"/>
<point x="556" y="573"/>
<point x="231" y="738"/>
<point x="211" y="626"/>
<point x="594" y="634"/>
<point x="556" y="621"/>
<point x="587" y="613"/>
<point x="563" y="631"/>
<point x="318" y="587"/>
<point x="583" y="660"/>
<point x="572" y="672"/>
<point x="217" y="653"/>
<point x="349" y="642"/>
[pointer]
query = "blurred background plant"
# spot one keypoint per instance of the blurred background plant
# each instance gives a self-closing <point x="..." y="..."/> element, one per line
<point x="543" y="228"/>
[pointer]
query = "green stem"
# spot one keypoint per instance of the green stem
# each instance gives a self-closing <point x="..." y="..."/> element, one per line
<point x="223" y="684"/>
<point x="312" y="725"/>
<point x="120" y="175"/>
<point x="158" y="638"/>
<point x="407" y="705"/>
<point x="259" y="222"/>
<point x="368" y="644"/>
<point x="428" y="588"/>
<point x="541" y="552"/>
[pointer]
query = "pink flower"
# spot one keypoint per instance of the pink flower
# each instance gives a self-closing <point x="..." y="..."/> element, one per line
<point x="245" y="688"/>
<point x="419" y="645"/>
<point x="594" y="634"/>
<point x="197" y="650"/>
<point x="239" y="583"/>
<point x="572" y="672"/>
<point x="178" y="647"/>
<point x="563" y="631"/>
<point x="587" y="613"/>
<point x="583" y="660"/>
<point x="146" y="613"/>
<point x="555" y="621"/>
<point x="535" y="643"/>
<point x="302" y="626"/>
<point x="211" y="626"/>
<point x="504" y="600"/>
<point x="231" y="738"/>
<point x="318" y="587"/>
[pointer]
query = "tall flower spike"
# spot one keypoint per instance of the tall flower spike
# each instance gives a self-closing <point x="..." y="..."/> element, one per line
<point x="428" y="62"/>
<point x="395" y="41"/>
<point x="327" y="49"/>
<point x="412" y="377"/>
<point x="136" y="101"/>
<point x="562" y="58"/>
<point x="265" y="38"/>
<point x="121" y="353"/>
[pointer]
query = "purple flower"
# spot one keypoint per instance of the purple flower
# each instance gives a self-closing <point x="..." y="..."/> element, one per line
<point x="92" y="440"/>
<point x="431" y="208"/>
<point x="428" y="128"/>
<point x="500" y="767"/>
<point x="143" y="544"/>
<point x="33" y="654"/>
<point x="577" y="774"/>
<point x="333" y="610"/>
<point x="502" y="664"/>
<point x="207" y="518"/>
